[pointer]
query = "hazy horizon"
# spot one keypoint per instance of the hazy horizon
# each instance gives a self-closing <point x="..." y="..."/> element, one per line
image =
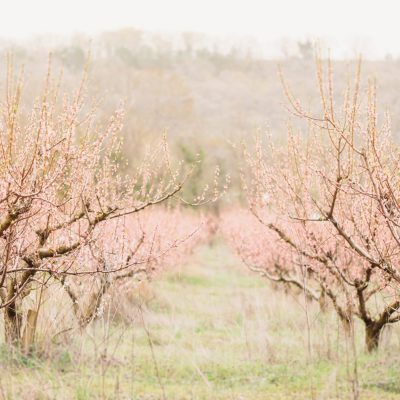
<point x="267" y="27"/>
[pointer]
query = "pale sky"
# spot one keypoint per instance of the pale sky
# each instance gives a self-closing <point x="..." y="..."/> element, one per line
<point x="346" y="26"/>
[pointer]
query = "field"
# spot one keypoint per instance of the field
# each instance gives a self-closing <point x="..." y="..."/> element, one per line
<point x="208" y="329"/>
<point x="207" y="212"/>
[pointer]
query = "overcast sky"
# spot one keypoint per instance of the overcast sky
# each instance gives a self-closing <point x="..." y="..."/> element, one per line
<point x="346" y="26"/>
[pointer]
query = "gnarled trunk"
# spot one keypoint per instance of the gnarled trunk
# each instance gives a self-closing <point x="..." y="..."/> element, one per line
<point x="346" y="318"/>
<point x="86" y="311"/>
<point x="28" y="337"/>
<point x="13" y="324"/>
<point x="323" y="302"/>
<point x="372" y="334"/>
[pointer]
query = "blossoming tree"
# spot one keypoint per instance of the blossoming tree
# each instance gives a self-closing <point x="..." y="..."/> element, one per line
<point x="64" y="202"/>
<point x="146" y="244"/>
<point x="333" y="199"/>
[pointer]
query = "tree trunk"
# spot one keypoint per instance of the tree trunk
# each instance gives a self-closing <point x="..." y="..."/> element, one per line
<point x="12" y="324"/>
<point x="86" y="311"/>
<point x="347" y="323"/>
<point x="372" y="333"/>
<point x="323" y="303"/>
<point x="28" y="337"/>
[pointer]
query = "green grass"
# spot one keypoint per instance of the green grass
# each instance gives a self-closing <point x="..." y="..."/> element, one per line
<point x="210" y="331"/>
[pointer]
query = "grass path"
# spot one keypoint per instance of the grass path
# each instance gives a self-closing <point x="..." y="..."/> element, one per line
<point x="210" y="330"/>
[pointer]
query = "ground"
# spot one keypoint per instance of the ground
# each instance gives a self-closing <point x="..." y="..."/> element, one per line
<point x="209" y="329"/>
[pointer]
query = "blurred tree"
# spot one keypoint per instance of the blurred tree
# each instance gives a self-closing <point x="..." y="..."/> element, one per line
<point x="72" y="57"/>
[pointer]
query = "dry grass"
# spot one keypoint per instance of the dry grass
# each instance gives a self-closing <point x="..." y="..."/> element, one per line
<point x="206" y="330"/>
